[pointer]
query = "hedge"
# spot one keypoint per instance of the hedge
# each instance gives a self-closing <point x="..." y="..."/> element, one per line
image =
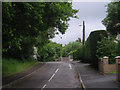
<point x="87" y="53"/>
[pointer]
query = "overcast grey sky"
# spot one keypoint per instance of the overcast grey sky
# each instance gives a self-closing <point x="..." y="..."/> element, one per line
<point x="92" y="13"/>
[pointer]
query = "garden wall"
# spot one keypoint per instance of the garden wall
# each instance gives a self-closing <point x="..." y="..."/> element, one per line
<point x="105" y="67"/>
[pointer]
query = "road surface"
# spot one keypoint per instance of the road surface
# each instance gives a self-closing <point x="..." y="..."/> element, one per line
<point x="52" y="75"/>
<point x="93" y="79"/>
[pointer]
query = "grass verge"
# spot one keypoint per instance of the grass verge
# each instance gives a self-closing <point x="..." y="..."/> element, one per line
<point x="114" y="72"/>
<point x="13" y="66"/>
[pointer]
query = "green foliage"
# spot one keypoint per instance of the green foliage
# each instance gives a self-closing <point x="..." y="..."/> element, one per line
<point x="112" y="20"/>
<point x="49" y="52"/>
<point x="94" y="38"/>
<point x="77" y="54"/>
<point x="88" y="53"/>
<point x="107" y="47"/>
<point x="78" y="40"/>
<point x="28" y="24"/>
<point x="12" y="66"/>
<point x="70" y="48"/>
<point x="114" y="72"/>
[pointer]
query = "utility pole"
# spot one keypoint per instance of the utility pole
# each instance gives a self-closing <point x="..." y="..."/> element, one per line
<point x="83" y="32"/>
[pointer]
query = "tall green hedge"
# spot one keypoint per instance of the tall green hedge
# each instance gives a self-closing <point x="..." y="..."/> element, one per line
<point x="87" y="53"/>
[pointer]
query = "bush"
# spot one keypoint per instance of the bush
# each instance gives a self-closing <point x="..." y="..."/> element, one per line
<point x="12" y="66"/>
<point x="87" y="53"/>
<point x="70" y="48"/>
<point x="94" y="37"/>
<point x="107" y="47"/>
<point x="49" y="52"/>
<point x="24" y="53"/>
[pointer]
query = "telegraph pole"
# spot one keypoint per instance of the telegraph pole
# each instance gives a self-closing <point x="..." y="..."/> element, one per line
<point x="83" y="32"/>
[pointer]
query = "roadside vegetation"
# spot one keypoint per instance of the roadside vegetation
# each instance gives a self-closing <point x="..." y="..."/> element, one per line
<point x="102" y="43"/>
<point x="87" y="53"/>
<point x="29" y="25"/>
<point x="50" y="52"/>
<point x="71" y="47"/>
<point x="13" y="66"/>
<point x="107" y="47"/>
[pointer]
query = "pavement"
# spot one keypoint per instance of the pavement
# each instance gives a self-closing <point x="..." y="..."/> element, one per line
<point x="50" y="75"/>
<point x="93" y="79"/>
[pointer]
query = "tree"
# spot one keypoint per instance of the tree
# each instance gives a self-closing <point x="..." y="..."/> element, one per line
<point x="78" y="40"/>
<point x="50" y="51"/>
<point x="33" y="21"/>
<point x="112" y="20"/>
<point x="107" y="47"/>
<point x="70" y="48"/>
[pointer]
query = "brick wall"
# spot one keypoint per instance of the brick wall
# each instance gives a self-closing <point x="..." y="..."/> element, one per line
<point x="105" y="67"/>
<point x="64" y="59"/>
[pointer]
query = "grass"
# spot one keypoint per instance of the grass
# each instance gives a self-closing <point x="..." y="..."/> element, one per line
<point x="114" y="72"/>
<point x="13" y="66"/>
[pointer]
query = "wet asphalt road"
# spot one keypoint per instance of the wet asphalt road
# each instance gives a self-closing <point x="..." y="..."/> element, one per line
<point x="93" y="79"/>
<point x="52" y="75"/>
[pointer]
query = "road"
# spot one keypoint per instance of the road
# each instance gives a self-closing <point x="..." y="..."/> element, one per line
<point x="93" y="79"/>
<point x="52" y="75"/>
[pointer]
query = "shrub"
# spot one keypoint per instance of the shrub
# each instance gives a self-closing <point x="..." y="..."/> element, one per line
<point x="87" y="53"/>
<point x="94" y="37"/>
<point x="12" y="66"/>
<point x="107" y="47"/>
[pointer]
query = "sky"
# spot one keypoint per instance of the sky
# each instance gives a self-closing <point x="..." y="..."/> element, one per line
<point x="92" y="13"/>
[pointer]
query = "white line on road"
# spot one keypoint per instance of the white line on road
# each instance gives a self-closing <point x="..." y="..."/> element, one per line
<point x="53" y="74"/>
<point x="56" y="70"/>
<point x="43" y="86"/>
<point x="70" y="66"/>
<point x="51" y="77"/>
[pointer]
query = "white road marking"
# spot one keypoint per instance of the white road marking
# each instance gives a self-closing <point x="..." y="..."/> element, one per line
<point x="43" y="86"/>
<point x="53" y="74"/>
<point x="56" y="70"/>
<point x="51" y="77"/>
<point x="70" y="66"/>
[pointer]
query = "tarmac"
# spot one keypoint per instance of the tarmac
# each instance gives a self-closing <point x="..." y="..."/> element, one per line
<point x="6" y="81"/>
<point x="57" y="75"/>
<point x="92" y="79"/>
<point x="89" y="77"/>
